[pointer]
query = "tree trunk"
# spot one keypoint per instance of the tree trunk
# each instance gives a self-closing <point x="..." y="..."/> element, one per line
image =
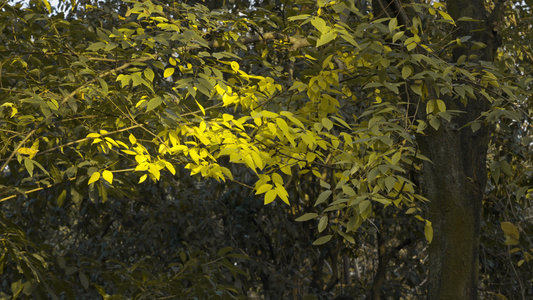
<point x="455" y="179"/>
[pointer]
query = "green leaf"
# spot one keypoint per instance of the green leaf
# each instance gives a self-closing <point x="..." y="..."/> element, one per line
<point x="416" y="89"/>
<point x="298" y="17"/>
<point x="96" y="46"/>
<point x="506" y="168"/>
<point x="326" y="38"/>
<point x="521" y="192"/>
<point x="105" y="88"/>
<point x="430" y="106"/>
<point x="28" y="163"/>
<point x="323" y="223"/>
<point x="306" y="217"/>
<point x="224" y="251"/>
<point x="327" y="123"/>
<point x="390" y="181"/>
<point x="441" y="105"/>
<point x="323" y="240"/>
<point x="495" y="171"/>
<point x="16" y="288"/>
<point x="510" y="230"/>
<point x="323" y="197"/>
<point x="475" y="126"/>
<point x="84" y="280"/>
<point x="407" y="71"/>
<point x="435" y="123"/>
<point x="364" y="205"/>
<point x="149" y="74"/>
<point x="61" y="198"/>
<point x="428" y="231"/>
<point x="153" y="103"/>
<point x="347" y="237"/>
<point x="398" y="35"/>
<point x="392" y="24"/>
<point x="319" y="24"/>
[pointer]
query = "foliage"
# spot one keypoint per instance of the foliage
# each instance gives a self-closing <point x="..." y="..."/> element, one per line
<point x="141" y="134"/>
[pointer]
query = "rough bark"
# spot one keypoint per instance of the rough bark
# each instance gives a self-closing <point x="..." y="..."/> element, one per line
<point x="455" y="180"/>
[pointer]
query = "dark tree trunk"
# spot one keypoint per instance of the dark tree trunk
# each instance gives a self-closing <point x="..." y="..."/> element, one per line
<point x="455" y="180"/>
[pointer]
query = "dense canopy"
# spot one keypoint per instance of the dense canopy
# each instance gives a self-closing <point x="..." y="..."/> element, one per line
<point x="266" y="149"/>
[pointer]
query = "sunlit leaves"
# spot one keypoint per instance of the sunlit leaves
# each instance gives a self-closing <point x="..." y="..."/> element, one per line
<point x="108" y="176"/>
<point x="14" y="109"/>
<point x="94" y="177"/>
<point x="168" y="72"/>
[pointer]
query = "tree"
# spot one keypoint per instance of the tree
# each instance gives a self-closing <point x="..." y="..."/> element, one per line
<point x="455" y="178"/>
<point x="347" y="112"/>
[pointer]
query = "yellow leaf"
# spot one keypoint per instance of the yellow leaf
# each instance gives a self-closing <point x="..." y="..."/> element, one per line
<point x="286" y="169"/>
<point x="122" y="144"/>
<point x="154" y="170"/>
<point x="132" y="139"/>
<point x="447" y="17"/>
<point x="94" y="177"/>
<point x="27" y="151"/>
<point x="201" y="107"/>
<point x="227" y="117"/>
<point x="48" y="7"/>
<point x="140" y="102"/>
<point x="170" y="167"/>
<point x="283" y="126"/>
<point x="282" y="193"/>
<point x="276" y="178"/>
<point x="257" y="160"/>
<point x="143" y="178"/>
<point x="13" y="108"/>
<point x="235" y="66"/>
<point x="108" y="176"/>
<point x="168" y="72"/>
<point x="270" y="196"/>
<point x="263" y="189"/>
<point x="93" y="135"/>
<point x="227" y="99"/>
<point x="141" y="167"/>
